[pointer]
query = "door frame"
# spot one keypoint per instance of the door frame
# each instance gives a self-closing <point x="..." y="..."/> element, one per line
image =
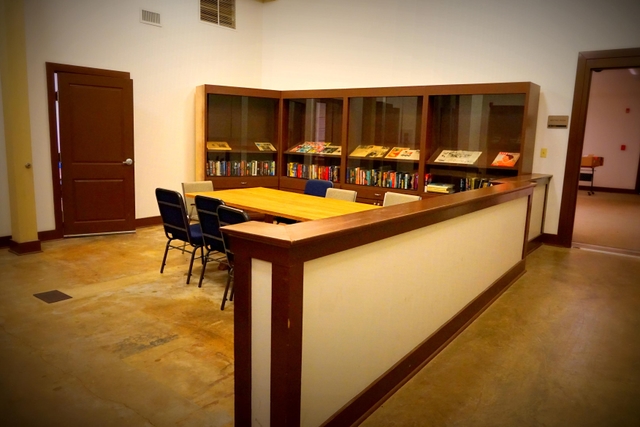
<point x="587" y="62"/>
<point x="51" y="70"/>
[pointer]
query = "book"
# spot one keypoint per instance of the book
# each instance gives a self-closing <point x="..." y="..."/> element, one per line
<point x="403" y="153"/>
<point x="332" y="150"/>
<point x="506" y="159"/>
<point x="217" y="146"/>
<point x="372" y="151"/>
<point x="461" y="157"/>
<point x="265" y="146"/>
<point x="395" y="152"/>
<point x="310" y="147"/>
<point x="409" y="155"/>
<point x="436" y="187"/>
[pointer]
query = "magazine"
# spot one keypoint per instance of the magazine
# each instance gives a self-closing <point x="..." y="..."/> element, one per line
<point x="461" y="157"/>
<point x="506" y="159"/>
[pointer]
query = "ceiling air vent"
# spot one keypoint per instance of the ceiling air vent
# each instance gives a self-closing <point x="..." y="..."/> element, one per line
<point x="219" y="12"/>
<point x="151" y="18"/>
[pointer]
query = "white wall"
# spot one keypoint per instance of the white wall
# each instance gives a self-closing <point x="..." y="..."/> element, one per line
<point x="368" y="43"/>
<point x="166" y="64"/>
<point x="298" y="44"/>
<point x="609" y="126"/>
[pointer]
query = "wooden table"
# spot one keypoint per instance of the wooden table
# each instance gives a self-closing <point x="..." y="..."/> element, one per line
<point x="296" y="206"/>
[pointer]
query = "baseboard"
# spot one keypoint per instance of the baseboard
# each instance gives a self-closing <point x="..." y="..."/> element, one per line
<point x="554" y="240"/>
<point x="370" y="399"/>
<point x="607" y="190"/>
<point x="534" y="244"/>
<point x="5" y="241"/>
<point x="147" y="222"/>
<point x="25" y="248"/>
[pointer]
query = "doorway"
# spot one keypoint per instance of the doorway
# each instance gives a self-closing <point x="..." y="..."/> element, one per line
<point x="91" y="131"/>
<point x="587" y="63"/>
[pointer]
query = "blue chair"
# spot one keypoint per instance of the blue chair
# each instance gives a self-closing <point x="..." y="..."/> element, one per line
<point x="228" y="216"/>
<point x="313" y="187"/>
<point x="317" y="187"/>
<point x="207" y="211"/>
<point x="177" y="227"/>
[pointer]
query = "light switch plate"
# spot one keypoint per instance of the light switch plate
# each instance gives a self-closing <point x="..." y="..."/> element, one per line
<point x="543" y="153"/>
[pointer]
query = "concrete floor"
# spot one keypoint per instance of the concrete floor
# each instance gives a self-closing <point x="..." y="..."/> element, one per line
<point x="561" y="347"/>
<point x="133" y="347"/>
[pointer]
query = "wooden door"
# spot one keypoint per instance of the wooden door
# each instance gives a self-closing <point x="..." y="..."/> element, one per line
<point x="96" y="150"/>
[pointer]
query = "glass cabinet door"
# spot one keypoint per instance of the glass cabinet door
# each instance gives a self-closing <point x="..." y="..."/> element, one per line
<point x="241" y="136"/>
<point x="384" y="141"/>
<point x="313" y="138"/>
<point x="475" y="138"/>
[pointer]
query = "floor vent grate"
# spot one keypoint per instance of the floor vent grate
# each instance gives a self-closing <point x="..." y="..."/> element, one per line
<point x="52" y="296"/>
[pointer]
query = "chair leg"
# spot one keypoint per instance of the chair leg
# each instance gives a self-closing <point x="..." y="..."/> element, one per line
<point x="233" y="284"/>
<point x="226" y="290"/>
<point x="204" y="266"/>
<point x="193" y="254"/>
<point x="164" y="258"/>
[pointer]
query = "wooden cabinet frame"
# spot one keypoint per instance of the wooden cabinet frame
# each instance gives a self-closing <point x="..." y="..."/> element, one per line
<point x="371" y="194"/>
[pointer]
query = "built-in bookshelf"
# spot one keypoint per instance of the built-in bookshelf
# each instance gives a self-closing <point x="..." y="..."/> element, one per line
<point x="368" y="140"/>
<point x="475" y="138"/>
<point x="312" y="140"/>
<point x="238" y="136"/>
<point x="383" y="142"/>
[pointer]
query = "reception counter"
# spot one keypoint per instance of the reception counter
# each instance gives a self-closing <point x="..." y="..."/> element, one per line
<point x="332" y="316"/>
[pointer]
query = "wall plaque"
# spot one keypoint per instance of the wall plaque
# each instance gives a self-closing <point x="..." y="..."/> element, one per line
<point x="558" y="122"/>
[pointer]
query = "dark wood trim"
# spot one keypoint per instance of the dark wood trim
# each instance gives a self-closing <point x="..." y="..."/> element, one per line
<point x="242" y="91"/>
<point x="286" y="347"/>
<point x="149" y="221"/>
<point x="587" y="63"/>
<point x="457" y="89"/>
<point x="25" y="248"/>
<point x="608" y="190"/>
<point x="5" y="241"/>
<point x="242" y="340"/>
<point x="44" y="236"/>
<point x="638" y="177"/>
<point x="316" y="239"/>
<point x="363" y="405"/>
<point x="50" y="235"/>
<point x="535" y="244"/>
<point x="51" y="70"/>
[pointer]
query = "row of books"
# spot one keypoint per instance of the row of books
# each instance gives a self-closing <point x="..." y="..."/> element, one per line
<point x="312" y="171"/>
<point x="464" y="184"/>
<point x="241" y="168"/>
<point x="380" y="178"/>
<point x="473" y="183"/>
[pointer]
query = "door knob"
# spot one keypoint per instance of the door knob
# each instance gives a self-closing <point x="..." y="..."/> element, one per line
<point x="128" y="162"/>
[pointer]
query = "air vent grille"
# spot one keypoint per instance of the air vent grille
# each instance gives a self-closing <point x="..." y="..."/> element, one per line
<point x="219" y="12"/>
<point x="151" y="18"/>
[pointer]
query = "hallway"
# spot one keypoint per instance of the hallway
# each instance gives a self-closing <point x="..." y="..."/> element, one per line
<point x="134" y="347"/>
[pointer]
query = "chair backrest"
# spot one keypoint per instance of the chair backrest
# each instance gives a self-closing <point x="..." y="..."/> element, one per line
<point x="338" y="193"/>
<point x="207" y="209"/>
<point x="391" y="198"/>
<point x="228" y="216"/>
<point x="193" y="187"/>
<point x="317" y="187"/>
<point x="174" y="214"/>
